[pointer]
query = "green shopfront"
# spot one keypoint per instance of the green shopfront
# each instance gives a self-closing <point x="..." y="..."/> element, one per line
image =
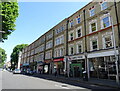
<point x="77" y="65"/>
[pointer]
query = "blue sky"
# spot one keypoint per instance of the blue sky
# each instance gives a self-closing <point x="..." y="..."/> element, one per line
<point x="36" y="18"/>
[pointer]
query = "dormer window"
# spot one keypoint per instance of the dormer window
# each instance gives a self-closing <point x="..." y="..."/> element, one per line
<point x="103" y="5"/>
<point x="92" y="11"/>
<point x="78" y="19"/>
<point x="71" y="23"/>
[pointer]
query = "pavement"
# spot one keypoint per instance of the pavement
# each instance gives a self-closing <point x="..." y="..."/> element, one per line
<point x="92" y="81"/>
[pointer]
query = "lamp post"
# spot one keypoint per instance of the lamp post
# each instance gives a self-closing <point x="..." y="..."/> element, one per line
<point x="115" y="51"/>
<point x="114" y="45"/>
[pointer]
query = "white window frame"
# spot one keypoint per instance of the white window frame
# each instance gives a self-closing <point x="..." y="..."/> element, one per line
<point x="70" y="35"/>
<point x="71" y="23"/>
<point x="90" y="28"/>
<point x="91" y="41"/>
<point x="104" y="16"/>
<point x="59" y="40"/>
<point x="77" y="44"/>
<point x="69" y="49"/>
<point x="107" y="34"/>
<point x="102" y="5"/>
<point x="77" y="31"/>
<point x="79" y="16"/>
<point x="91" y="12"/>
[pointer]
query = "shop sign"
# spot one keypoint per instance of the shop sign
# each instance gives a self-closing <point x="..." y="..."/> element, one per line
<point x="60" y="59"/>
<point x="76" y="57"/>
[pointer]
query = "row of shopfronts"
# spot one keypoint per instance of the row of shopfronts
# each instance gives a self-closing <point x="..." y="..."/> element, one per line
<point x="100" y="65"/>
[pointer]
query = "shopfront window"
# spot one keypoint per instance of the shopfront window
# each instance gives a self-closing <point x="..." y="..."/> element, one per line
<point x="103" y="67"/>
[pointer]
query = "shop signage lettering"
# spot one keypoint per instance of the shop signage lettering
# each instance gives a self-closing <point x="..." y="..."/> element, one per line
<point x="76" y="57"/>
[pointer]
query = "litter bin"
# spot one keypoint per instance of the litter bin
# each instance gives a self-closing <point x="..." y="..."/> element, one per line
<point x="85" y="77"/>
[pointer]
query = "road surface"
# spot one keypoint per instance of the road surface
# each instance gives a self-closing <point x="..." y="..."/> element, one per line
<point x="19" y="81"/>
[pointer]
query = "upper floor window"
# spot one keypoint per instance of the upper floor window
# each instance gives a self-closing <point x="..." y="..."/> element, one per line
<point x="59" y="40"/>
<point x="49" y="36"/>
<point x="94" y="44"/>
<point x="59" y="52"/>
<point x="104" y="5"/>
<point x="41" y="48"/>
<point x="79" y="32"/>
<point x="71" y="23"/>
<point x="107" y="42"/>
<point x="71" y="50"/>
<point x="92" y="12"/>
<point x="60" y="29"/>
<point x="78" y="19"/>
<point x="79" y="48"/>
<point x="93" y="27"/>
<point x="48" y="55"/>
<point x="105" y="22"/>
<point x="49" y="44"/>
<point x="71" y="36"/>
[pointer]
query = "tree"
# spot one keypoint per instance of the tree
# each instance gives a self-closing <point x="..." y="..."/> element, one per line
<point x="15" y="54"/>
<point x="8" y="14"/>
<point x="3" y="56"/>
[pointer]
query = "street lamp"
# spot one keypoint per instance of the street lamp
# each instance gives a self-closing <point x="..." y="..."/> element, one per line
<point x="115" y="51"/>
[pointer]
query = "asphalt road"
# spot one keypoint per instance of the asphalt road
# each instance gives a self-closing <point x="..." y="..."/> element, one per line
<point x="19" y="81"/>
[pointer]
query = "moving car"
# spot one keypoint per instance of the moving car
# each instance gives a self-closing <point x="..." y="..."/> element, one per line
<point x="17" y="71"/>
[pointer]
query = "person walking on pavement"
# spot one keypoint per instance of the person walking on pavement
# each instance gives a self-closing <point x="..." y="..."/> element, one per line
<point x="56" y="72"/>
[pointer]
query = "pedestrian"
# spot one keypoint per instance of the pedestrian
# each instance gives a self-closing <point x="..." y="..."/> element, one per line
<point x="55" y="73"/>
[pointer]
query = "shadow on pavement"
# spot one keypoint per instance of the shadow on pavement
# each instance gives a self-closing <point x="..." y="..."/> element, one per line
<point x="66" y="80"/>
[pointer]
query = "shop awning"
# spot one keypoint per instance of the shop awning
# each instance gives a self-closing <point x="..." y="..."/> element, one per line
<point x="60" y="59"/>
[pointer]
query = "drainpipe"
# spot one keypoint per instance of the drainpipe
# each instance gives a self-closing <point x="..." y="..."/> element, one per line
<point x="44" y="52"/>
<point x="52" y="63"/>
<point x="86" y="59"/>
<point x="67" y="68"/>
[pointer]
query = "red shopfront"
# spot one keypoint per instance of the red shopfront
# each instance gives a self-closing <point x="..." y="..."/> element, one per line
<point x="59" y="66"/>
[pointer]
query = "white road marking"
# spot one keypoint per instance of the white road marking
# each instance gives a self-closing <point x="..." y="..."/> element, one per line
<point x="62" y="87"/>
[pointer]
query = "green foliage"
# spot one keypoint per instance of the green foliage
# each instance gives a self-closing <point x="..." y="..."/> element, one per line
<point x="9" y="13"/>
<point x="15" y="54"/>
<point x="3" y="56"/>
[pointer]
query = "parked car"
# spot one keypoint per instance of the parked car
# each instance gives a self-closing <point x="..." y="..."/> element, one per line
<point x="23" y="71"/>
<point x="17" y="71"/>
<point x="29" y="72"/>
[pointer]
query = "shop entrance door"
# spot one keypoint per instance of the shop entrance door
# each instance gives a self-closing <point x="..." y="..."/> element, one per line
<point x="76" y="71"/>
